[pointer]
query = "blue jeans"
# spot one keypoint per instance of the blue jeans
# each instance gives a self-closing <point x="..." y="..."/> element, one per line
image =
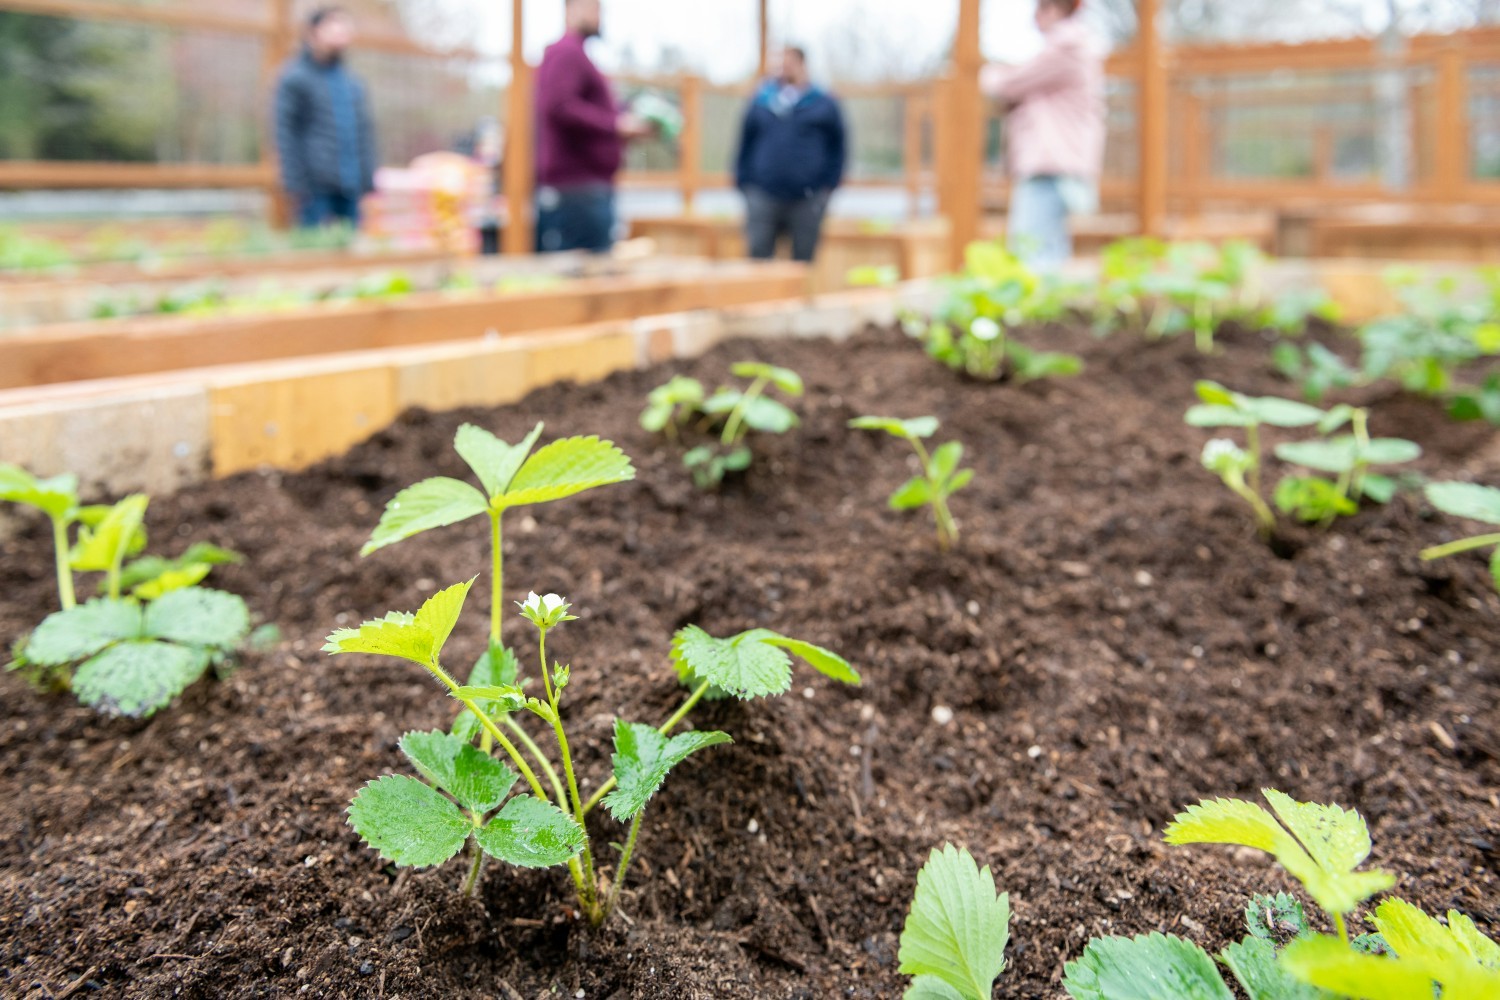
<point x="575" y="218"/>
<point x="767" y="217"/>
<point x="1037" y="228"/>
<point x="320" y="209"/>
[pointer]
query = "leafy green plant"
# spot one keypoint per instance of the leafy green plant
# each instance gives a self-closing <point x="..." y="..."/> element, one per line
<point x="973" y="328"/>
<point x="672" y="404"/>
<point x="1283" y="958"/>
<point x="1477" y="503"/>
<point x="738" y="412"/>
<point x="462" y="797"/>
<point x="152" y="633"/>
<point x="410" y="821"/>
<point x="956" y="931"/>
<point x="940" y="477"/>
<point x="1314" y="368"/>
<point x="1349" y="457"/>
<point x="1241" y="468"/>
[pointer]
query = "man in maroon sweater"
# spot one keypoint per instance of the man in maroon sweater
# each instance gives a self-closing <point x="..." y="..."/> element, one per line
<point x="581" y="136"/>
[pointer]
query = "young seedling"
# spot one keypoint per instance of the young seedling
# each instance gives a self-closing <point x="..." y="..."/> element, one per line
<point x="1241" y="468"/>
<point x="743" y="411"/>
<point x="940" y="479"/>
<point x="151" y="634"/>
<point x="971" y="330"/>
<point x="1348" y="457"/>
<point x="1322" y="847"/>
<point x="956" y="931"/>
<point x="511" y="476"/>
<point x="1316" y="369"/>
<point x="672" y="404"/>
<point x="1477" y="503"/>
<point x="57" y="497"/>
<point x="411" y="822"/>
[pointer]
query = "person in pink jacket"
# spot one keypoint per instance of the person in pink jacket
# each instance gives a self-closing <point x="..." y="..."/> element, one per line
<point x="1054" y="133"/>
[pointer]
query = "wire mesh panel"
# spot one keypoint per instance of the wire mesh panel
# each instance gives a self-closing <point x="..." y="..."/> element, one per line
<point x="1484" y="122"/>
<point x="423" y="104"/>
<point x="874" y="127"/>
<point x="108" y="90"/>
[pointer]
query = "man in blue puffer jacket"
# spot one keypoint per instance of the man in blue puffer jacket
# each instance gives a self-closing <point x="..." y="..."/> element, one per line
<point x="792" y="152"/>
<point x="325" y="136"/>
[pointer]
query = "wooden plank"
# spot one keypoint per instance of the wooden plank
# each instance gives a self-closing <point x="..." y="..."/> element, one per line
<point x="294" y="421"/>
<point x="520" y="141"/>
<point x="1451" y="137"/>
<point x="200" y="15"/>
<point x="1151" y="121"/>
<point x="65" y="174"/>
<point x="690" y="142"/>
<point x="72" y="352"/>
<point x="763" y="39"/>
<point x="965" y="110"/>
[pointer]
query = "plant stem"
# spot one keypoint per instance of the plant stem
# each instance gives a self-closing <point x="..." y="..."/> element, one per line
<point x="946" y="532"/>
<point x="664" y="729"/>
<point x="497" y="573"/>
<point x="1338" y="922"/>
<point x="1356" y="474"/>
<point x="524" y="738"/>
<point x="64" y="570"/>
<point x="589" y="895"/>
<point x="737" y="415"/>
<point x="474" y="870"/>
<point x="625" y="855"/>
<point x="1462" y="545"/>
<point x="1263" y="513"/>
<point x="510" y="748"/>
<point x="1252" y="440"/>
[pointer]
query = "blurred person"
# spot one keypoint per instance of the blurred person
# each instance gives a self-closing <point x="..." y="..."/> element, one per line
<point x="791" y="158"/>
<point x="1054" y="133"/>
<point x="581" y="137"/>
<point x="324" y="133"/>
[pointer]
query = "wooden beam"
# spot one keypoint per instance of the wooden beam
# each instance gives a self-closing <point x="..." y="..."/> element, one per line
<point x="1451" y="138"/>
<point x="276" y="49"/>
<point x="965" y="110"/>
<point x="520" y="148"/>
<point x="764" y="65"/>
<point x="690" y="142"/>
<point x="202" y="16"/>
<point x="1151" y="122"/>
<point x="46" y="174"/>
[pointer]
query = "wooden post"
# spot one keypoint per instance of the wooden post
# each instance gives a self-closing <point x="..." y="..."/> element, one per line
<point x="519" y="147"/>
<point x="1195" y="143"/>
<point x="1451" y="141"/>
<point x="690" y="142"/>
<point x="277" y="45"/>
<point x="965" y="136"/>
<point x="1151" y="112"/>
<point x="764" y="65"/>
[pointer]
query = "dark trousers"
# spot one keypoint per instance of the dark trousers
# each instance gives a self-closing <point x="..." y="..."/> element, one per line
<point x="575" y="218"/>
<point x="320" y="209"/>
<point x="768" y="218"/>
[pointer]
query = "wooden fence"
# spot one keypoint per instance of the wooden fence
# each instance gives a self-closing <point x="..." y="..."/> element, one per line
<point x="1264" y="127"/>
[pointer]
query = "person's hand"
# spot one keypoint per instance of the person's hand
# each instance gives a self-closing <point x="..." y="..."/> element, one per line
<point x="631" y="126"/>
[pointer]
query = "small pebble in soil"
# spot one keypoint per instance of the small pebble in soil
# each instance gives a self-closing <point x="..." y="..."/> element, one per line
<point x="366" y="969"/>
<point x="808" y="693"/>
<point x="752" y="827"/>
<point x="1143" y="578"/>
<point x="1034" y="752"/>
<point x="972" y="608"/>
<point x="942" y="714"/>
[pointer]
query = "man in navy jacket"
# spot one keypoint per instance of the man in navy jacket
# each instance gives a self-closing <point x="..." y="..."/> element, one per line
<point x="792" y="151"/>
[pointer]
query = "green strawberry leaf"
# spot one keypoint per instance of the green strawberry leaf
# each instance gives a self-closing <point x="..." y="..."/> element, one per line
<point x="1470" y="500"/>
<point x="1329" y="964"/>
<point x="906" y="430"/>
<point x="137" y="677"/>
<point x="784" y="379"/>
<point x="564" y="468"/>
<point x="769" y="416"/>
<point x="824" y="661"/>
<point x="958" y="927"/>
<point x="56" y="497"/>
<point x="531" y="833"/>
<point x="493" y="461"/>
<point x="408" y="822"/>
<point x="915" y="493"/>
<point x="740" y="666"/>
<point x="432" y="503"/>
<point x="116" y="535"/>
<point x="496" y="667"/>
<point x="83" y="630"/>
<point x="642" y="759"/>
<point x="419" y="637"/>
<point x="1149" y="967"/>
<point x="196" y="616"/>
<point x="478" y="781"/>
<point x="932" y="988"/>
<point x="1253" y="964"/>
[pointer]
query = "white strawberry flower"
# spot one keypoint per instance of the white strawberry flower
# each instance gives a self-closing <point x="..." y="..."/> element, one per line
<point x="985" y="328"/>
<point x="545" y="610"/>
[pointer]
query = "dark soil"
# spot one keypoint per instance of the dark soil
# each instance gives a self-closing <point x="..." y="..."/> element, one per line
<point x="1111" y="639"/>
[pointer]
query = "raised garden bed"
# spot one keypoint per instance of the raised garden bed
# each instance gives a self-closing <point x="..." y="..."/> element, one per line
<point x="1111" y="640"/>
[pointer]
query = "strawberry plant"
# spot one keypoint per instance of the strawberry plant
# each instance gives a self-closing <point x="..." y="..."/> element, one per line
<point x="1349" y="457"/>
<point x="734" y="411"/>
<point x="510" y="476"/>
<point x="956" y="931"/>
<point x="412" y="823"/>
<point x="1283" y="958"/>
<point x="1241" y="468"/>
<point x="972" y="330"/>
<point x="1476" y="503"/>
<point x="150" y="635"/>
<point x="940" y="477"/>
<point x="1315" y="369"/>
